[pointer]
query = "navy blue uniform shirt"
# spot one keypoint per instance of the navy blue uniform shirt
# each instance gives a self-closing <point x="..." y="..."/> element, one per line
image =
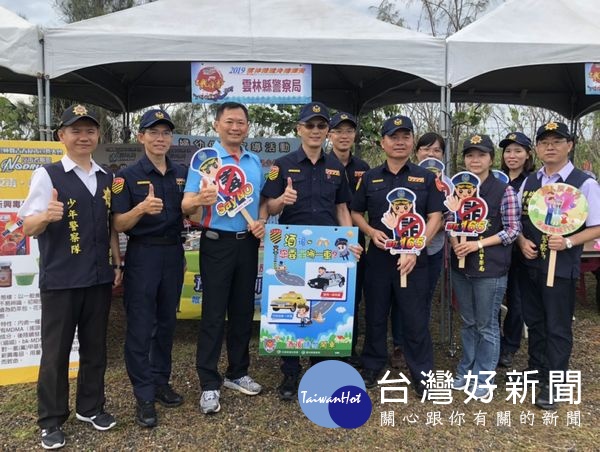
<point x="320" y="188"/>
<point x="130" y="187"/>
<point x="377" y="182"/>
<point x="354" y="170"/>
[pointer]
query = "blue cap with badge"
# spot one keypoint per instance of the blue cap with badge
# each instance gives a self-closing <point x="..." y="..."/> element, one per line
<point x="156" y="116"/>
<point x="391" y="125"/>
<point x="313" y="110"/>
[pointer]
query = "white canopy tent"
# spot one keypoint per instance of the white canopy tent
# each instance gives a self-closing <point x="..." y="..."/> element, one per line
<point x="140" y="56"/>
<point x="21" y="63"/>
<point x="529" y="52"/>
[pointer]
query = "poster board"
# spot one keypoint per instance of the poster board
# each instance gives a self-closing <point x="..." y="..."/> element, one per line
<point x="309" y="278"/>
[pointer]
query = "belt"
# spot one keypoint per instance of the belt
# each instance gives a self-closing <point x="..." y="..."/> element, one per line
<point x="156" y="240"/>
<point x="215" y="234"/>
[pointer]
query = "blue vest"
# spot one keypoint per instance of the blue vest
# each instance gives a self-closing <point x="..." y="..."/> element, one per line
<point x="491" y="261"/>
<point x="567" y="261"/>
<point x="74" y="252"/>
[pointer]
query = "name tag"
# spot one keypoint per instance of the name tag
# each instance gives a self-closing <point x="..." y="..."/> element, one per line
<point x="143" y="182"/>
<point x="332" y="172"/>
<point x="376" y="181"/>
<point x="416" y="179"/>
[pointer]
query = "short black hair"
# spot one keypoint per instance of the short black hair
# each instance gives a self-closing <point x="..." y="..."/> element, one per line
<point x="231" y="106"/>
<point x="430" y="138"/>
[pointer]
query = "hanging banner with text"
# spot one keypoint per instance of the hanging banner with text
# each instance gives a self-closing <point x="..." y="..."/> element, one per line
<point x="592" y="79"/>
<point x="252" y="83"/>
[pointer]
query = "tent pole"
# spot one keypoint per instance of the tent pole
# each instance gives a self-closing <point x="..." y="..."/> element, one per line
<point x="41" y="118"/>
<point x="49" y="134"/>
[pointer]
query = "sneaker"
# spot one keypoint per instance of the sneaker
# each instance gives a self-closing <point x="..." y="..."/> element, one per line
<point x="481" y="393"/>
<point x="53" y="438"/>
<point x="288" y="387"/>
<point x="209" y="401"/>
<point x="145" y="414"/>
<point x="459" y="383"/>
<point x="167" y="397"/>
<point x="396" y="358"/>
<point x="246" y="385"/>
<point x="100" y="421"/>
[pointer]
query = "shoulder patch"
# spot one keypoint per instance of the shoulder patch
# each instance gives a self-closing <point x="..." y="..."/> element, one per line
<point x="358" y="174"/>
<point x="273" y="173"/>
<point x="117" y="185"/>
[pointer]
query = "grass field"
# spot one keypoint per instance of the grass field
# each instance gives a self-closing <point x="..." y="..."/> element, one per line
<point x="265" y="423"/>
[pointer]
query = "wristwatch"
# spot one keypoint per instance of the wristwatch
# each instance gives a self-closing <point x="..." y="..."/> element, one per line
<point x="568" y="243"/>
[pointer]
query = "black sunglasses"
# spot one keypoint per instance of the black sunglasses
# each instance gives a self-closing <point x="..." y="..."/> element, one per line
<point x="312" y="125"/>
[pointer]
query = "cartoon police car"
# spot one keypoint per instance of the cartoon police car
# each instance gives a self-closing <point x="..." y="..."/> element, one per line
<point x="289" y="300"/>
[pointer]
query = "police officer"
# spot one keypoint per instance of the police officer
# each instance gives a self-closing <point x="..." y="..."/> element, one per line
<point x="548" y="311"/>
<point x="481" y="284"/>
<point x="342" y="134"/>
<point x="382" y="280"/>
<point x="147" y="207"/>
<point x="228" y="256"/>
<point x="307" y="186"/>
<point x="517" y="163"/>
<point x="68" y="209"/>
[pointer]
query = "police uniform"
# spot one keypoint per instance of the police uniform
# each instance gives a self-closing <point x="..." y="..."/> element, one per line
<point x="153" y="272"/>
<point x="355" y="169"/>
<point x="76" y="278"/>
<point x="228" y="269"/>
<point x="512" y="328"/>
<point x="548" y="311"/>
<point x="320" y="188"/>
<point x="382" y="280"/>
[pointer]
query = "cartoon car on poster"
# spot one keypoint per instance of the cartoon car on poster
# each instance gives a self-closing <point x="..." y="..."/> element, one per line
<point x="289" y="300"/>
<point x="326" y="279"/>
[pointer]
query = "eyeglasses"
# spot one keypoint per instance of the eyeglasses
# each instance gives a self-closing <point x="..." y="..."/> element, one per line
<point x="554" y="143"/>
<point x="157" y="133"/>
<point x="312" y="125"/>
<point x="343" y="131"/>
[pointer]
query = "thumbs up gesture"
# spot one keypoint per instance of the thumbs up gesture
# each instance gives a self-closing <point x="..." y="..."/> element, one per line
<point x="56" y="209"/>
<point x="289" y="195"/>
<point x="152" y="204"/>
<point x="208" y="193"/>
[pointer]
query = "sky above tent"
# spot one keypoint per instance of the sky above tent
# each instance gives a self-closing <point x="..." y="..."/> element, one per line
<point x="43" y="12"/>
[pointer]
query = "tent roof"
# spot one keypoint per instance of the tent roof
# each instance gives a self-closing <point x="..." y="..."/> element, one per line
<point x="141" y="55"/>
<point x="527" y="52"/>
<point x="20" y="53"/>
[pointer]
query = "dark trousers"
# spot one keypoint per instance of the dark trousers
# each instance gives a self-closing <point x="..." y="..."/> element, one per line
<point x="382" y="291"/>
<point x="434" y="269"/>
<point x="228" y="269"/>
<point x="512" y="330"/>
<point x="152" y="287"/>
<point x="358" y="293"/>
<point x="62" y="311"/>
<point x="548" y="313"/>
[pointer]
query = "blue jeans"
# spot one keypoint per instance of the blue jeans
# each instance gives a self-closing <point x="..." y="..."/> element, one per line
<point x="479" y="302"/>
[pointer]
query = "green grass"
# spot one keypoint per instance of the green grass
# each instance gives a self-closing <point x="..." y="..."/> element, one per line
<point x="265" y="423"/>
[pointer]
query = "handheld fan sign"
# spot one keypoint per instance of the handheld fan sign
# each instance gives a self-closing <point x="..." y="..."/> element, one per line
<point x="470" y="210"/>
<point x="557" y="209"/>
<point x="234" y="192"/>
<point x="408" y="226"/>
